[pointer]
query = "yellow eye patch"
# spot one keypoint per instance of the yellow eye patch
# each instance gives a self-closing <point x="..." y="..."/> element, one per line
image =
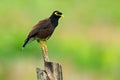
<point x="58" y="14"/>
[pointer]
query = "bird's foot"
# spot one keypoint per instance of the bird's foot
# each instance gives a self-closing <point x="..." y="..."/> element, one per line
<point x="43" y="46"/>
<point x="44" y="51"/>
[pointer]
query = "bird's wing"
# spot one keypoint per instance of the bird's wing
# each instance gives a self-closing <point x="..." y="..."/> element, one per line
<point x="40" y="26"/>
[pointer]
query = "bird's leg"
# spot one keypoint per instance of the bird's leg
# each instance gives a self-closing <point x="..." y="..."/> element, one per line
<point x="45" y="51"/>
<point x="43" y="46"/>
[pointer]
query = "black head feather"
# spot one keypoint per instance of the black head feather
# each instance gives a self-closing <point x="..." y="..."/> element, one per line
<point x="55" y="17"/>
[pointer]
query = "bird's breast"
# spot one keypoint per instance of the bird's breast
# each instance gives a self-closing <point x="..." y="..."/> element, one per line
<point x="45" y="33"/>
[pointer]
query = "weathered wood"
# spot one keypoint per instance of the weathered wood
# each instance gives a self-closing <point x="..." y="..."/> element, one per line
<point x="41" y="75"/>
<point x="53" y="71"/>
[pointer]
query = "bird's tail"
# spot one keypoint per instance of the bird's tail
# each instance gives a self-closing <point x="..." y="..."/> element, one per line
<point x="25" y="43"/>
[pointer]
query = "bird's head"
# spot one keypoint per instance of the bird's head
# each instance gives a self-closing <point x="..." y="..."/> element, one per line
<point x="57" y="14"/>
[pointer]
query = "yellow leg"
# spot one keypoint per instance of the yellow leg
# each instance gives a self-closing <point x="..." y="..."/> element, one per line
<point x="43" y="46"/>
<point x="44" y="51"/>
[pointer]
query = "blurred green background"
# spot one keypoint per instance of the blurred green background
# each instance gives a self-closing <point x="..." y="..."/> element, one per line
<point x="86" y="42"/>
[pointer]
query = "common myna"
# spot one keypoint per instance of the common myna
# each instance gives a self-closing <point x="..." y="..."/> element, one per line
<point x="43" y="29"/>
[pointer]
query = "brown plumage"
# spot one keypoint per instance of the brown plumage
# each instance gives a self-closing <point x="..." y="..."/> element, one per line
<point x="43" y="29"/>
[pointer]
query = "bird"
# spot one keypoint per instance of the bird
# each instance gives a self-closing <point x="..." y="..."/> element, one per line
<point x="43" y="30"/>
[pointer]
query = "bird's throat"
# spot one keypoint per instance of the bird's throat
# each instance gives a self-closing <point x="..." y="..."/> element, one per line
<point x="54" y="21"/>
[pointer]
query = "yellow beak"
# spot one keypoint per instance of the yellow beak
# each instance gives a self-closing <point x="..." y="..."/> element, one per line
<point x="62" y="16"/>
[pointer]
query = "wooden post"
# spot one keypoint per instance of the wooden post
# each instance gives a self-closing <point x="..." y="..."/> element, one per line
<point x="53" y="71"/>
